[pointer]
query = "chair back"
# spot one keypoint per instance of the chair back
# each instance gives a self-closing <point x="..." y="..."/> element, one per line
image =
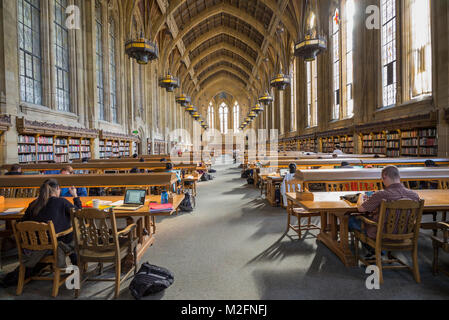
<point x="401" y="220"/>
<point x="35" y="236"/>
<point x="95" y="230"/>
<point x="292" y="186"/>
<point x="443" y="184"/>
<point x="336" y="186"/>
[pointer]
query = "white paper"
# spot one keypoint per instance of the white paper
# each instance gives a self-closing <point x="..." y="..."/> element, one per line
<point x="117" y="203"/>
<point x="12" y="211"/>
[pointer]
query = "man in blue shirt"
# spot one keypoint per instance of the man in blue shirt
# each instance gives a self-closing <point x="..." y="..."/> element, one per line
<point x="65" y="192"/>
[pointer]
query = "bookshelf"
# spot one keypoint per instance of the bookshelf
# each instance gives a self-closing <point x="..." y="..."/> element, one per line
<point x="308" y="145"/>
<point x="346" y="143"/>
<point x="48" y="142"/>
<point x="374" y="143"/>
<point x="419" y="142"/>
<point x="61" y="149"/>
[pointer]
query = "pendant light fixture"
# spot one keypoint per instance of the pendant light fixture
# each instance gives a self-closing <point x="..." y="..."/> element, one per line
<point x="311" y="41"/>
<point x="266" y="99"/>
<point x="280" y="81"/>
<point x="183" y="99"/>
<point x="142" y="49"/>
<point x="169" y="82"/>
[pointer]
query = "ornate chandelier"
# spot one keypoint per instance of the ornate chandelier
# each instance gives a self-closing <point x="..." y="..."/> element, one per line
<point x="280" y="81"/>
<point x="183" y="100"/>
<point x="266" y="99"/>
<point x="311" y="41"/>
<point x="169" y="82"/>
<point x="258" y="108"/>
<point x="142" y="50"/>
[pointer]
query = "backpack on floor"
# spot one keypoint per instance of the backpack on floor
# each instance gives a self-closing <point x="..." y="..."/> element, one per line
<point x="186" y="204"/>
<point x="212" y="171"/>
<point x="149" y="280"/>
<point x="250" y="180"/>
<point x="205" y="177"/>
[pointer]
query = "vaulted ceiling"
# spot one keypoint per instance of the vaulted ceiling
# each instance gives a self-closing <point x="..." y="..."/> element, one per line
<point x="219" y="46"/>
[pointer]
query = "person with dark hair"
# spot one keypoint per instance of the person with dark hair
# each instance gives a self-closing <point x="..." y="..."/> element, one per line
<point x="345" y="165"/>
<point x="15" y="170"/>
<point x="337" y="150"/>
<point x="289" y="176"/>
<point x="65" y="192"/>
<point x="169" y="168"/>
<point x="85" y="160"/>
<point x="135" y="155"/>
<point x="334" y="155"/>
<point x="394" y="190"/>
<point x="430" y="164"/>
<point x="134" y="170"/>
<point x="141" y="160"/>
<point x="50" y="206"/>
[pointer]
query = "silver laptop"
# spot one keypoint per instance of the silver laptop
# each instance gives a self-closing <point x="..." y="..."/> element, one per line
<point x="134" y="200"/>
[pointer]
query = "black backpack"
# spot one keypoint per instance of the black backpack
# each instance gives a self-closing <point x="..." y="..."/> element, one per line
<point x="250" y="180"/>
<point x="149" y="280"/>
<point x="186" y="204"/>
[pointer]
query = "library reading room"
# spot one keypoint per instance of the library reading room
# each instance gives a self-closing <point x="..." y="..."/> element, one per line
<point x="224" y="150"/>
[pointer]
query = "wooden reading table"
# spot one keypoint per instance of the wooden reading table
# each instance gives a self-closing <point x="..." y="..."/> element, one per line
<point x="146" y="225"/>
<point x="335" y="215"/>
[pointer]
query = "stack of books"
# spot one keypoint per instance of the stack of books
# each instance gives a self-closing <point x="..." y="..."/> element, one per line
<point x="160" y="208"/>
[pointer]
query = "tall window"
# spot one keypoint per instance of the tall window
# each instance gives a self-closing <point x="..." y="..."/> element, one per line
<point x="62" y="67"/>
<point x="224" y="118"/>
<point x="293" y="89"/>
<point x="211" y="116"/>
<point x="112" y="71"/>
<point x="236" y="116"/>
<point x="349" y="14"/>
<point x="336" y="64"/>
<point x="420" y="52"/>
<point x="99" y="60"/>
<point x="312" y="93"/>
<point x="30" y="59"/>
<point x="388" y="38"/>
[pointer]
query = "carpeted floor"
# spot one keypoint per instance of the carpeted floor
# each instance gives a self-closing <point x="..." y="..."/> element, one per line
<point x="233" y="246"/>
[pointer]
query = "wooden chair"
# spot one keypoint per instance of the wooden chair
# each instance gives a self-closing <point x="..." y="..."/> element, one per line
<point x="97" y="240"/>
<point x="39" y="236"/>
<point x="440" y="243"/>
<point x="298" y="212"/>
<point x="401" y="221"/>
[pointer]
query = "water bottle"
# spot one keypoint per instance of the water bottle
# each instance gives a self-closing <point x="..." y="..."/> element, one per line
<point x="164" y="197"/>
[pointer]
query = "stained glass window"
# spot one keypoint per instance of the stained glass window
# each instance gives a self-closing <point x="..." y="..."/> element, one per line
<point x="211" y="117"/>
<point x="236" y="116"/>
<point x="112" y="71"/>
<point x="99" y="60"/>
<point x="312" y="96"/>
<point x="62" y="64"/>
<point x="350" y="10"/>
<point x="420" y="55"/>
<point x="224" y="118"/>
<point x="336" y="64"/>
<point x="388" y="36"/>
<point x="30" y="59"/>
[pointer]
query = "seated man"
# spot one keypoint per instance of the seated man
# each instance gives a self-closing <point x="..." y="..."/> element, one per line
<point x="289" y="176"/>
<point x="65" y="192"/>
<point x="337" y="150"/>
<point x="394" y="190"/>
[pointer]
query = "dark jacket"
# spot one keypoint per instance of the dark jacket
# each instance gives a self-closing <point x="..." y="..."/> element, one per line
<point x="58" y="211"/>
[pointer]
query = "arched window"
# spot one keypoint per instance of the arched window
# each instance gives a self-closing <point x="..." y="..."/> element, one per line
<point x="211" y="116"/>
<point x="336" y="64"/>
<point x="312" y="96"/>
<point x="342" y="61"/>
<point x="99" y="59"/>
<point x="293" y="89"/>
<point x="30" y="58"/>
<point x="349" y="15"/>
<point x="112" y="72"/>
<point x="419" y="53"/>
<point x="388" y="39"/>
<point x="224" y="118"/>
<point x="236" y="116"/>
<point x="62" y="66"/>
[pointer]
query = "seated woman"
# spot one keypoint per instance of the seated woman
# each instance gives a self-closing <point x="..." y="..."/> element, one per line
<point x="169" y="168"/>
<point x="289" y="176"/>
<point x="49" y="206"/>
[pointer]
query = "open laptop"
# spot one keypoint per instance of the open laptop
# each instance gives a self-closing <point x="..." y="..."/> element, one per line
<point x="134" y="200"/>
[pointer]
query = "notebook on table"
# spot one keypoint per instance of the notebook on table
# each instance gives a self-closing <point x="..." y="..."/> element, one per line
<point x="134" y="200"/>
<point x="158" y="208"/>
